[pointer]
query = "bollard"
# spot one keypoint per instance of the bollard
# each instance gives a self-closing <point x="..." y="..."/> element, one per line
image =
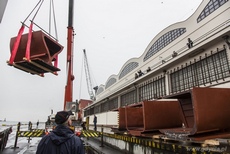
<point x="102" y="142"/>
<point x="16" y="138"/>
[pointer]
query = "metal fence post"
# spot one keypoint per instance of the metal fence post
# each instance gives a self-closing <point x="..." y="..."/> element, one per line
<point x="16" y="138"/>
<point x="102" y="142"/>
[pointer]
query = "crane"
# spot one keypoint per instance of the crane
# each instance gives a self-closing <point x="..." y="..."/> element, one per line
<point x="69" y="104"/>
<point x="70" y="37"/>
<point x="88" y="78"/>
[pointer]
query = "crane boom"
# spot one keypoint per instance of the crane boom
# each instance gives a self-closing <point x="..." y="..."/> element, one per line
<point x="88" y="77"/>
<point x="69" y="62"/>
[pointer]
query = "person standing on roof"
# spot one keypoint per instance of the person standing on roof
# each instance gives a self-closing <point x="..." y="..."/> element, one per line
<point x="62" y="139"/>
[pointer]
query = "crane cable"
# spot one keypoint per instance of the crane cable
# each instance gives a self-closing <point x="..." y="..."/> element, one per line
<point x="54" y="19"/>
<point x="38" y="6"/>
<point x="40" y="2"/>
<point x="82" y="65"/>
<point x="55" y="27"/>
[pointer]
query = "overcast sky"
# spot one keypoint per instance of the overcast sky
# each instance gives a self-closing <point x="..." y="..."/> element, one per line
<point x="111" y="31"/>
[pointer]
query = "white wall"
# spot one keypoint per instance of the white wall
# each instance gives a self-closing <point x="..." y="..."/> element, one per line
<point x="108" y="118"/>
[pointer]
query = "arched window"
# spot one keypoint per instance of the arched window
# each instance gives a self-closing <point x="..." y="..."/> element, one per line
<point x="128" y="68"/>
<point x="100" y="90"/>
<point x="210" y="7"/>
<point x="163" y="41"/>
<point x="110" y="82"/>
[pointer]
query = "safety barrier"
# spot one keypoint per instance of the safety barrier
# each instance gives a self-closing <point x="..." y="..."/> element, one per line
<point x="90" y="133"/>
<point x="32" y="133"/>
<point x="29" y="133"/>
<point x="159" y="143"/>
<point x="167" y="145"/>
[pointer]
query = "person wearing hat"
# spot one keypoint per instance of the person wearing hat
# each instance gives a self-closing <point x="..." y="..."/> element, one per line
<point x="62" y="139"/>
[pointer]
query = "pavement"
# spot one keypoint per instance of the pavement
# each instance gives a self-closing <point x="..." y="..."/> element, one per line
<point x="22" y="145"/>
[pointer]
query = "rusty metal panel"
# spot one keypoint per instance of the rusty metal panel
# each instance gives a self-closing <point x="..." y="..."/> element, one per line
<point x="211" y="109"/>
<point x="121" y="120"/>
<point x="162" y="114"/>
<point x="134" y="117"/>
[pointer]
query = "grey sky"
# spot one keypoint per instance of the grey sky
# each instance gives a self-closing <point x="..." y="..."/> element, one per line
<point x="111" y="31"/>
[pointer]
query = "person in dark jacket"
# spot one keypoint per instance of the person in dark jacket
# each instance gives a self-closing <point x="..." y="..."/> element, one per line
<point x="62" y="139"/>
<point x="95" y="122"/>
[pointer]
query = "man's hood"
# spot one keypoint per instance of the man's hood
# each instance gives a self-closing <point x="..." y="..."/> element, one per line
<point x="61" y="134"/>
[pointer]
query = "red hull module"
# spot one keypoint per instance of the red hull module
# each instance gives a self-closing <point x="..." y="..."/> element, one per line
<point x="150" y="116"/>
<point x="209" y="112"/>
<point x="43" y="51"/>
<point x="202" y="113"/>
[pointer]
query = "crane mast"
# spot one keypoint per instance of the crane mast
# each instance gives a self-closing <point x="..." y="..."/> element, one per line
<point x="69" y="62"/>
<point x="88" y="77"/>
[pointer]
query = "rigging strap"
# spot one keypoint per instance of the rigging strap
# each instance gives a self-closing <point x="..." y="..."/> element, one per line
<point x="29" y="42"/>
<point x="56" y="61"/>
<point x="15" y="48"/>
